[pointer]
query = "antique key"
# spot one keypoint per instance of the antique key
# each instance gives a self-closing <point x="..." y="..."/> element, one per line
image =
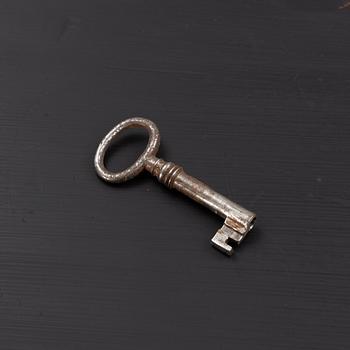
<point x="238" y="221"/>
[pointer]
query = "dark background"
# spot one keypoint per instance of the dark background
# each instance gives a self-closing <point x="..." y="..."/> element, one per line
<point x="250" y="96"/>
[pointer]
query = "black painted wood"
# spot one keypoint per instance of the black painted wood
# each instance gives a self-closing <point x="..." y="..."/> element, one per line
<point x="250" y="96"/>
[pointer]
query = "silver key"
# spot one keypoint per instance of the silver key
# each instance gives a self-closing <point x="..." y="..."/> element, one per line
<point x="238" y="221"/>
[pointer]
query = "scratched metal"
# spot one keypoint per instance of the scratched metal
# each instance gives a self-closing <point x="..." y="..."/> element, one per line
<point x="238" y="220"/>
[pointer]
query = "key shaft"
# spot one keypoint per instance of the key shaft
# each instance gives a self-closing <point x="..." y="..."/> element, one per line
<point x="238" y="220"/>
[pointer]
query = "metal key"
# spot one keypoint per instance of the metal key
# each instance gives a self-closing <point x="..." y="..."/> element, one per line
<point x="238" y="221"/>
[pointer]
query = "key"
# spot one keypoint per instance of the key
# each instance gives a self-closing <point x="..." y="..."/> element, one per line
<point x="237" y="220"/>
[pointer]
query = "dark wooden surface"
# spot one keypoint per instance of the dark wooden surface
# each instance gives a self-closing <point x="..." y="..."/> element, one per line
<point x="250" y="96"/>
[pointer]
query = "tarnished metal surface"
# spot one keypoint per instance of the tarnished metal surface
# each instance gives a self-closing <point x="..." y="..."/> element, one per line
<point x="138" y="166"/>
<point x="238" y="221"/>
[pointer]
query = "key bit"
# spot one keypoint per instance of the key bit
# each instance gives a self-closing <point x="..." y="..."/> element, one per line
<point x="238" y="221"/>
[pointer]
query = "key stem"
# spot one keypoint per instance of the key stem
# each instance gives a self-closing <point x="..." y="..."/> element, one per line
<point x="173" y="176"/>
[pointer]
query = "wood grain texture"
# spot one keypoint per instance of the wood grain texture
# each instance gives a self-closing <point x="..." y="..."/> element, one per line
<point x="251" y="97"/>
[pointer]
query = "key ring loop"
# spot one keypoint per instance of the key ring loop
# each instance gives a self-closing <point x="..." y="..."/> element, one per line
<point x="133" y="170"/>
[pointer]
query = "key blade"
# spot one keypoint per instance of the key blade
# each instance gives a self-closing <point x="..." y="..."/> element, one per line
<point x="223" y="237"/>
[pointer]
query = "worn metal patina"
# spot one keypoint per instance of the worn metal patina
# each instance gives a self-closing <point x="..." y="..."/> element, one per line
<point x="238" y="221"/>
